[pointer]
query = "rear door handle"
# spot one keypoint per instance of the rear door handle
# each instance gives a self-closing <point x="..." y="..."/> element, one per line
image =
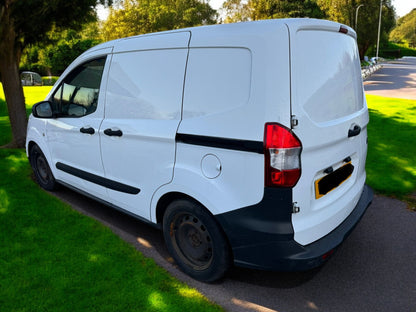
<point x="354" y="131"/>
<point x="111" y="132"/>
<point x="89" y="130"/>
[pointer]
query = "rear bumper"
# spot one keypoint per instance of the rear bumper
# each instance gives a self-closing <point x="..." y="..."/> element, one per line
<point x="261" y="236"/>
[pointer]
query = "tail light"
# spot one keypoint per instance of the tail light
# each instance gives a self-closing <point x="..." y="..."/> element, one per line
<point x="282" y="156"/>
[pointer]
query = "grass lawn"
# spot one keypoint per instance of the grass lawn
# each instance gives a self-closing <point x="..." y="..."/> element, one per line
<point x="53" y="258"/>
<point x="391" y="160"/>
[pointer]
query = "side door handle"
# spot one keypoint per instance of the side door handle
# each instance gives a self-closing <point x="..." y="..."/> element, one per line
<point x="111" y="132"/>
<point x="89" y="130"/>
<point x="354" y="131"/>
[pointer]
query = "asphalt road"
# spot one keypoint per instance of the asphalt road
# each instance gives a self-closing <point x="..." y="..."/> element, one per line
<point x="396" y="79"/>
<point x="374" y="270"/>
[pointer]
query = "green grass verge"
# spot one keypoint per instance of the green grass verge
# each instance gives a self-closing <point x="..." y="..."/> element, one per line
<point x="52" y="258"/>
<point x="391" y="159"/>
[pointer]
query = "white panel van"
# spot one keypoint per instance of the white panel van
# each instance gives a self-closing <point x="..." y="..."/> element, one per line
<point x="246" y="143"/>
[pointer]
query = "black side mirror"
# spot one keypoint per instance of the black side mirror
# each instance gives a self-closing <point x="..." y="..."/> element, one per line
<point x="42" y="110"/>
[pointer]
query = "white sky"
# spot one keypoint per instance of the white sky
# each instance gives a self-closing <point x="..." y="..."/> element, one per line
<point x="402" y="7"/>
<point x="216" y="4"/>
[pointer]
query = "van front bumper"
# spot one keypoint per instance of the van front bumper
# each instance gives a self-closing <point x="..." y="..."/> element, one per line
<point x="261" y="236"/>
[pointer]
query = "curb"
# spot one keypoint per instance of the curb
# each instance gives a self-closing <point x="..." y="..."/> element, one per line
<point x="369" y="70"/>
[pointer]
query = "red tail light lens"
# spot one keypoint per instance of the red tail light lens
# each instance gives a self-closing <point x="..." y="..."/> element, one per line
<point x="282" y="156"/>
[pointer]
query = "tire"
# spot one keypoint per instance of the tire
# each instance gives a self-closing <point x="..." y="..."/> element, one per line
<point x="195" y="241"/>
<point x="41" y="169"/>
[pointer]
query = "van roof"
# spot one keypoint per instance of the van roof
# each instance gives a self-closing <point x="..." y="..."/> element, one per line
<point x="213" y="30"/>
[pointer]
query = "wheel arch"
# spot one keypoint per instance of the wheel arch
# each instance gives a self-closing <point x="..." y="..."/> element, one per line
<point x="168" y="198"/>
<point x="29" y="147"/>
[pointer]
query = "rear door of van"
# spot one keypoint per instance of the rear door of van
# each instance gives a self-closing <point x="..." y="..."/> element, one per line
<point x="330" y="117"/>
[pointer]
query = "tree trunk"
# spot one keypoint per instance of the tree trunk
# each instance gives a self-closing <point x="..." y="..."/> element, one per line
<point x="10" y="52"/>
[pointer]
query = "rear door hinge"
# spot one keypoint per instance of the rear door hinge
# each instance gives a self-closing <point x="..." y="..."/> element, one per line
<point x="295" y="208"/>
<point x="294" y="122"/>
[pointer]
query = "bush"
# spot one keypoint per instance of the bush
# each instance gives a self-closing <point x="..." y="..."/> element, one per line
<point x="49" y="80"/>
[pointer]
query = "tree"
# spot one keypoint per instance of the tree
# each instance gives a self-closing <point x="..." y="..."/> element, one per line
<point x="134" y="17"/>
<point x="266" y="9"/>
<point x="238" y="10"/>
<point x="405" y="31"/>
<point x="235" y="11"/>
<point x="62" y="47"/>
<point x="344" y="11"/>
<point x="19" y="27"/>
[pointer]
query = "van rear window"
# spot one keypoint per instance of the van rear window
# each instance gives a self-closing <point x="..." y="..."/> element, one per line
<point x="327" y="75"/>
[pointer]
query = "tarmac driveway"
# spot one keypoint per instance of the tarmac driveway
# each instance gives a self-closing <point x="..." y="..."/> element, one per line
<point x="396" y="79"/>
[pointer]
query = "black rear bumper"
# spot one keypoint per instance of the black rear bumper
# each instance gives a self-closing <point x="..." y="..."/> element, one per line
<point x="261" y="236"/>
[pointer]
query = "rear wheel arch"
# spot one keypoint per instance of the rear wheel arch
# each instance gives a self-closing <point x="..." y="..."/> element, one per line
<point x="164" y="202"/>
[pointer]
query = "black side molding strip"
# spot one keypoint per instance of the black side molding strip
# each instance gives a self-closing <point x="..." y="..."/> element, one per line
<point x="231" y="144"/>
<point x="120" y="187"/>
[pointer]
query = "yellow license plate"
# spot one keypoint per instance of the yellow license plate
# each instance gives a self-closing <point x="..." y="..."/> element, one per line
<point x="332" y="180"/>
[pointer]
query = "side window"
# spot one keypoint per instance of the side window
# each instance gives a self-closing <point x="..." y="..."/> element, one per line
<point x="77" y="96"/>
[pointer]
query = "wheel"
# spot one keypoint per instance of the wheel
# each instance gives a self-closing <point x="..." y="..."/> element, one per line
<point x="41" y="169"/>
<point x="195" y="241"/>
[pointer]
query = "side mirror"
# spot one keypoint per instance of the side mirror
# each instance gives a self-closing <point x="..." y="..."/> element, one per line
<point x="42" y="110"/>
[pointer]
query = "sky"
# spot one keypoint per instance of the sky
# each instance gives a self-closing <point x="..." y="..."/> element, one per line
<point x="402" y="7"/>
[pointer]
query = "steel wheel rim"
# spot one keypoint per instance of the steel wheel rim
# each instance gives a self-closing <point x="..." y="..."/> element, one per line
<point x="192" y="241"/>
<point x="42" y="169"/>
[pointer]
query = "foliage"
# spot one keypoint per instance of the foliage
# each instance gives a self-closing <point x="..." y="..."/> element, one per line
<point x="392" y="50"/>
<point x="33" y="28"/>
<point x="344" y="11"/>
<point x="20" y="27"/>
<point x="134" y="17"/>
<point x="49" y="80"/>
<point x="405" y="31"/>
<point x="267" y="9"/>
<point x="391" y="161"/>
<point x="60" y="49"/>
<point x="235" y="11"/>
<point x="240" y="10"/>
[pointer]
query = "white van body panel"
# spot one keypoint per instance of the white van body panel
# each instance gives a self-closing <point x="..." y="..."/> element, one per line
<point x="144" y="99"/>
<point x="256" y="55"/>
<point x="327" y="100"/>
